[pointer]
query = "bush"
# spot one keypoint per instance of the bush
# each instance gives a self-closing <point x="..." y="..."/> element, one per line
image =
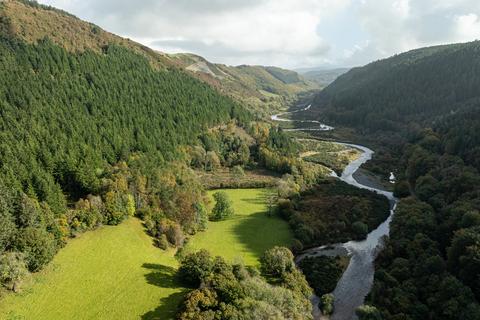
<point x="39" y="247"/>
<point x="368" y="313"/>
<point x="360" y="229"/>
<point x="277" y="261"/>
<point x="195" y="267"/>
<point x="175" y="234"/>
<point x="12" y="270"/>
<point x="162" y="242"/>
<point x="285" y="208"/>
<point x="238" y="171"/>
<point x="326" y="304"/>
<point x="223" y="207"/>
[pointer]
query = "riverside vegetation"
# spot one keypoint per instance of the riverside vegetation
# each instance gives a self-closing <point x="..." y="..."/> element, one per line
<point x="421" y="108"/>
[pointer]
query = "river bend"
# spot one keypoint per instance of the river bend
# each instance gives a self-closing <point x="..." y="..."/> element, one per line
<point x="357" y="280"/>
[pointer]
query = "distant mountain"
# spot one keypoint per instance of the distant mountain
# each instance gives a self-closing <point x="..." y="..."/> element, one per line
<point x="324" y="76"/>
<point x="260" y="88"/>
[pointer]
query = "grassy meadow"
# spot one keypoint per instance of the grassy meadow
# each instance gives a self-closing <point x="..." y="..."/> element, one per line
<point x="117" y="273"/>
<point x="247" y="234"/>
<point x="110" y="273"/>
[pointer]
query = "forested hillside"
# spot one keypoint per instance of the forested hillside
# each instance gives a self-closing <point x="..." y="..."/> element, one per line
<point x="419" y="85"/>
<point x="67" y="118"/>
<point x="261" y="89"/>
<point x="423" y="107"/>
<point x="95" y="129"/>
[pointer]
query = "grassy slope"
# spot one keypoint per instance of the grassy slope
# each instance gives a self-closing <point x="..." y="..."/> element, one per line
<point x="34" y="23"/>
<point x="246" y="235"/>
<point x="262" y="89"/>
<point x="116" y="272"/>
<point x="111" y="273"/>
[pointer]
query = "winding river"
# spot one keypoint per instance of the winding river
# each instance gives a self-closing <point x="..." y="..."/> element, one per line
<point x="357" y="280"/>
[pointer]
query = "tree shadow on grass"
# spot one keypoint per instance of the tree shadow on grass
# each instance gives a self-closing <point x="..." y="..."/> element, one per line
<point x="161" y="276"/>
<point x="252" y="232"/>
<point x="167" y="308"/>
<point x="164" y="277"/>
<point x="262" y="198"/>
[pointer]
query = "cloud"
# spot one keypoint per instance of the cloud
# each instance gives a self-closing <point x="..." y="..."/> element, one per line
<point x="467" y="27"/>
<point x="290" y="33"/>
<point x="281" y="32"/>
<point x="401" y="25"/>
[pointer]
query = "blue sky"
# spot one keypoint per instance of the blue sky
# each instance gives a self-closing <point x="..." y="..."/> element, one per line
<point x="287" y="33"/>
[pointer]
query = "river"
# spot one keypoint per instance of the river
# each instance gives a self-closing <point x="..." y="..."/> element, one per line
<point x="357" y="280"/>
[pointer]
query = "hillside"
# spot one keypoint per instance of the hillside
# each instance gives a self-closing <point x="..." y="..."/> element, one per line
<point x="258" y="87"/>
<point x="323" y="77"/>
<point x="31" y="22"/>
<point x="262" y="89"/>
<point x="421" y="85"/>
<point x="85" y="125"/>
<point x="96" y="129"/>
<point x="422" y="110"/>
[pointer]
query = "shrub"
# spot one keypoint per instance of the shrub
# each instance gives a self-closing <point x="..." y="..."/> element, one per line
<point x="326" y="304"/>
<point x="360" y="229"/>
<point x="238" y="171"/>
<point x="368" y="313"/>
<point x="39" y="247"/>
<point x="195" y="267"/>
<point x="223" y="207"/>
<point x="277" y="261"/>
<point x="12" y="270"/>
<point x="162" y="242"/>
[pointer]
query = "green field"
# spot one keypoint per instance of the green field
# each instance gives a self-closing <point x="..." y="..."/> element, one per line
<point x="246" y="235"/>
<point x="111" y="273"/>
<point x="116" y="272"/>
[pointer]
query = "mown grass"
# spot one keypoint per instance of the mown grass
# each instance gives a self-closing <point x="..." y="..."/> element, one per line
<point x="110" y="273"/>
<point x="117" y="273"/>
<point x="247" y="234"/>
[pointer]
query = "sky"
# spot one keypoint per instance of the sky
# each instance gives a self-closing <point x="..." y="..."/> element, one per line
<point x="286" y="33"/>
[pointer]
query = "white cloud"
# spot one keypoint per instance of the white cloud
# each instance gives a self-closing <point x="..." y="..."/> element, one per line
<point x="282" y="32"/>
<point x="468" y="27"/>
<point x="289" y="33"/>
<point x="401" y="25"/>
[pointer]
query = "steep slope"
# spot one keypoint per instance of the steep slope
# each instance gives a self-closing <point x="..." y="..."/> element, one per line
<point x="31" y="22"/>
<point x="263" y="89"/>
<point x="86" y="114"/>
<point x="95" y="129"/>
<point x="423" y="109"/>
<point x="420" y="85"/>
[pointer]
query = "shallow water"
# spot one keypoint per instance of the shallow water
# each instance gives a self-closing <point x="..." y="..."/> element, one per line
<point x="357" y="280"/>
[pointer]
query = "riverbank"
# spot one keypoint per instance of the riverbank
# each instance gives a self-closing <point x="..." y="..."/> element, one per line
<point x="356" y="282"/>
<point x="367" y="178"/>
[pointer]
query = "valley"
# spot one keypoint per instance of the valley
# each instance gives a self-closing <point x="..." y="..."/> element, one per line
<point x="357" y="280"/>
<point x="141" y="181"/>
